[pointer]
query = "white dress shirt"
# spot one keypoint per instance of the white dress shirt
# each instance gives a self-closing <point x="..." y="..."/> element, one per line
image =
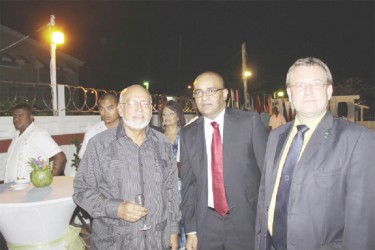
<point x="90" y="133"/>
<point x="208" y="130"/>
<point x="32" y="143"/>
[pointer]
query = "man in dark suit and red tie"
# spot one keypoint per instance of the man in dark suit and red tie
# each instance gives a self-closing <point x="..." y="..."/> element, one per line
<point x="317" y="188"/>
<point x="221" y="157"/>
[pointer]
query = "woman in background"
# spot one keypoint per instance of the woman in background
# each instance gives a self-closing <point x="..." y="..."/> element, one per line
<point x="173" y="120"/>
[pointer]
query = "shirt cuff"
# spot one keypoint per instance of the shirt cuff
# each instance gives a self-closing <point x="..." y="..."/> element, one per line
<point x="111" y="209"/>
<point x="175" y="227"/>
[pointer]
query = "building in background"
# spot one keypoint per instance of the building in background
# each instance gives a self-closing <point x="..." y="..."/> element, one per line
<point x="29" y="60"/>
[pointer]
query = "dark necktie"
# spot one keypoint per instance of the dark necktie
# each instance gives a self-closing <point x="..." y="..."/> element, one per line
<point x="217" y="168"/>
<point x="280" y="227"/>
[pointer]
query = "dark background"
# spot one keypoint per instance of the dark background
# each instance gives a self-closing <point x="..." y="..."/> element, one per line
<point x="168" y="43"/>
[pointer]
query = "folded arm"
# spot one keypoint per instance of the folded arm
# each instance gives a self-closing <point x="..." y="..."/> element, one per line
<point x="59" y="161"/>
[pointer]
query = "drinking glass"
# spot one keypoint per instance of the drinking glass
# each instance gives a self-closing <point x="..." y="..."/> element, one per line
<point x="140" y="200"/>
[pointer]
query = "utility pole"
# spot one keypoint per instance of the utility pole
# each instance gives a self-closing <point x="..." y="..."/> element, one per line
<point x="56" y="38"/>
<point x="244" y="77"/>
<point x="53" y="70"/>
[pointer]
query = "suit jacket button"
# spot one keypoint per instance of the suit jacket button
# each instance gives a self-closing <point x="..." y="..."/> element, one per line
<point x="267" y="208"/>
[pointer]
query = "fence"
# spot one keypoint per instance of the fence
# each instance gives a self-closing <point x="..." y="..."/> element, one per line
<point x="77" y="111"/>
<point x="72" y="100"/>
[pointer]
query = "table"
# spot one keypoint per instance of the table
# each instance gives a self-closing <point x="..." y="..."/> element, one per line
<point x="37" y="216"/>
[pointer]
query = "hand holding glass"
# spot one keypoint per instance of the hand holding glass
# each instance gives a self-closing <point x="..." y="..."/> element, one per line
<point x="140" y="200"/>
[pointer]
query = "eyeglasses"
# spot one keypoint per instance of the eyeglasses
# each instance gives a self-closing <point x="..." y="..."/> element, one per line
<point x="133" y="104"/>
<point x="209" y="92"/>
<point x="316" y="85"/>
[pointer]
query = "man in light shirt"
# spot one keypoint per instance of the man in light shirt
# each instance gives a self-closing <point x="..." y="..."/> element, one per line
<point x="276" y="119"/>
<point x="330" y="200"/>
<point x="109" y="118"/>
<point x="30" y="141"/>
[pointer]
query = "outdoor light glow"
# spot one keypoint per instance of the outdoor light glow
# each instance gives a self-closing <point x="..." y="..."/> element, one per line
<point x="146" y="84"/>
<point x="57" y="37"/>
<point x="189" y="86"/>
<point x="246" y="73"/>
<point x="280" y="94"/>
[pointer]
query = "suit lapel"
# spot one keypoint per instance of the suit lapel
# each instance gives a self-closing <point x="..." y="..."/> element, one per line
<point x="228" y="134"/>
<point x="280" y="145"/>
<point x="320" y="136"/>
<point x="283" y="137"/>
<point x="201" y="152"/>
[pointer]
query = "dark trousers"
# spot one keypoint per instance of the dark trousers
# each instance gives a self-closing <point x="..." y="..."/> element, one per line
<point x="218" y="233"/>
<point x="3" y="244"/>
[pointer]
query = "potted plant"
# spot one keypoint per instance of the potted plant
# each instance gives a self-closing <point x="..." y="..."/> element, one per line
<point x="41" y="175"/>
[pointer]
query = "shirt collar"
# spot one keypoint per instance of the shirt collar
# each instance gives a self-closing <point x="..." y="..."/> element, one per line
<point x="27" y="130"/>
<point x="313" y="124"/>
<point x="219" y="118"/>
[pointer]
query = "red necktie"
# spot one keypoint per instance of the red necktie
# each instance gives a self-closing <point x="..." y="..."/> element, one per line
<point x="217" y="166"/>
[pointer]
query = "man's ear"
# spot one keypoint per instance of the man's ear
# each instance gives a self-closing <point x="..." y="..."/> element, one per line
<point x="119" y="109"/>
<point x="289" y="92"/>
<point x="225" y="94"/>
<point x="329" y="91"/>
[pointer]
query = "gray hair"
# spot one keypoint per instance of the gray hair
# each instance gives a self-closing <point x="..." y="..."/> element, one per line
<point x="309" y="61"/>
<point x="123" y="92"/>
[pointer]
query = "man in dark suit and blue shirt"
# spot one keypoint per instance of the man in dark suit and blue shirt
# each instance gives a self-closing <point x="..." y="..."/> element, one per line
<point x="221" y="157"/>
<point x="317" y="188"/>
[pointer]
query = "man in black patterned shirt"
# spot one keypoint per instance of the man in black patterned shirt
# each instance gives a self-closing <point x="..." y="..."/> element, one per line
<point x="121" y="163"/>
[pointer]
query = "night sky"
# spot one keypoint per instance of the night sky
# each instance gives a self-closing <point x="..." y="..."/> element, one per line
<point x="169" y="43"/>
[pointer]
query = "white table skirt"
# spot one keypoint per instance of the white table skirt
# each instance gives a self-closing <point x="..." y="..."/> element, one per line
<point x="36" y="215"/>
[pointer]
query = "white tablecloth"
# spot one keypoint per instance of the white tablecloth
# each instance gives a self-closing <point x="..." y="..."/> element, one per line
<point x="36" y="215"/>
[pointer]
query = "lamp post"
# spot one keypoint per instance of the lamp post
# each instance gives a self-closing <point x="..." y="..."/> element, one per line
<point x="245" y="74"/>
<point x="56" y="38"/>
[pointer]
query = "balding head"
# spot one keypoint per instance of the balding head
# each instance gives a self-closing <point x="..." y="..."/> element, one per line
<point x="134" y="90"/>
<point x="135" y="107"/>
<point x="210" y="94"/>
<point x="211" y="76"/>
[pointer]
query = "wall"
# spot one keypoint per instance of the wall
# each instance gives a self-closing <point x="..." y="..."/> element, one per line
<point x="62" y="128"/>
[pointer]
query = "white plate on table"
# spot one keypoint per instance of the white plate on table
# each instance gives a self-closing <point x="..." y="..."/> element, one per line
<point x="19" y="186"/>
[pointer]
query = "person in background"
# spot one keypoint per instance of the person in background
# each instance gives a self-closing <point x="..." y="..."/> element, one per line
<point x="30" y="141"/>
<point x="109" y="118"/>
<point x="122" y="163"/>
<point x="173" y="119"/>
<point x="265" y="118"/>
<point x="276" y="119"/>
<point x="317" y="188"/>
<point x="221" y="157"/>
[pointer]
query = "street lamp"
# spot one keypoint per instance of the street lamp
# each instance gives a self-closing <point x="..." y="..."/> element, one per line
<point x="280" y="94"/>
<point x="56" y="38"/>
<point x="146" y="84"/>
<point x="246" y="74"/>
